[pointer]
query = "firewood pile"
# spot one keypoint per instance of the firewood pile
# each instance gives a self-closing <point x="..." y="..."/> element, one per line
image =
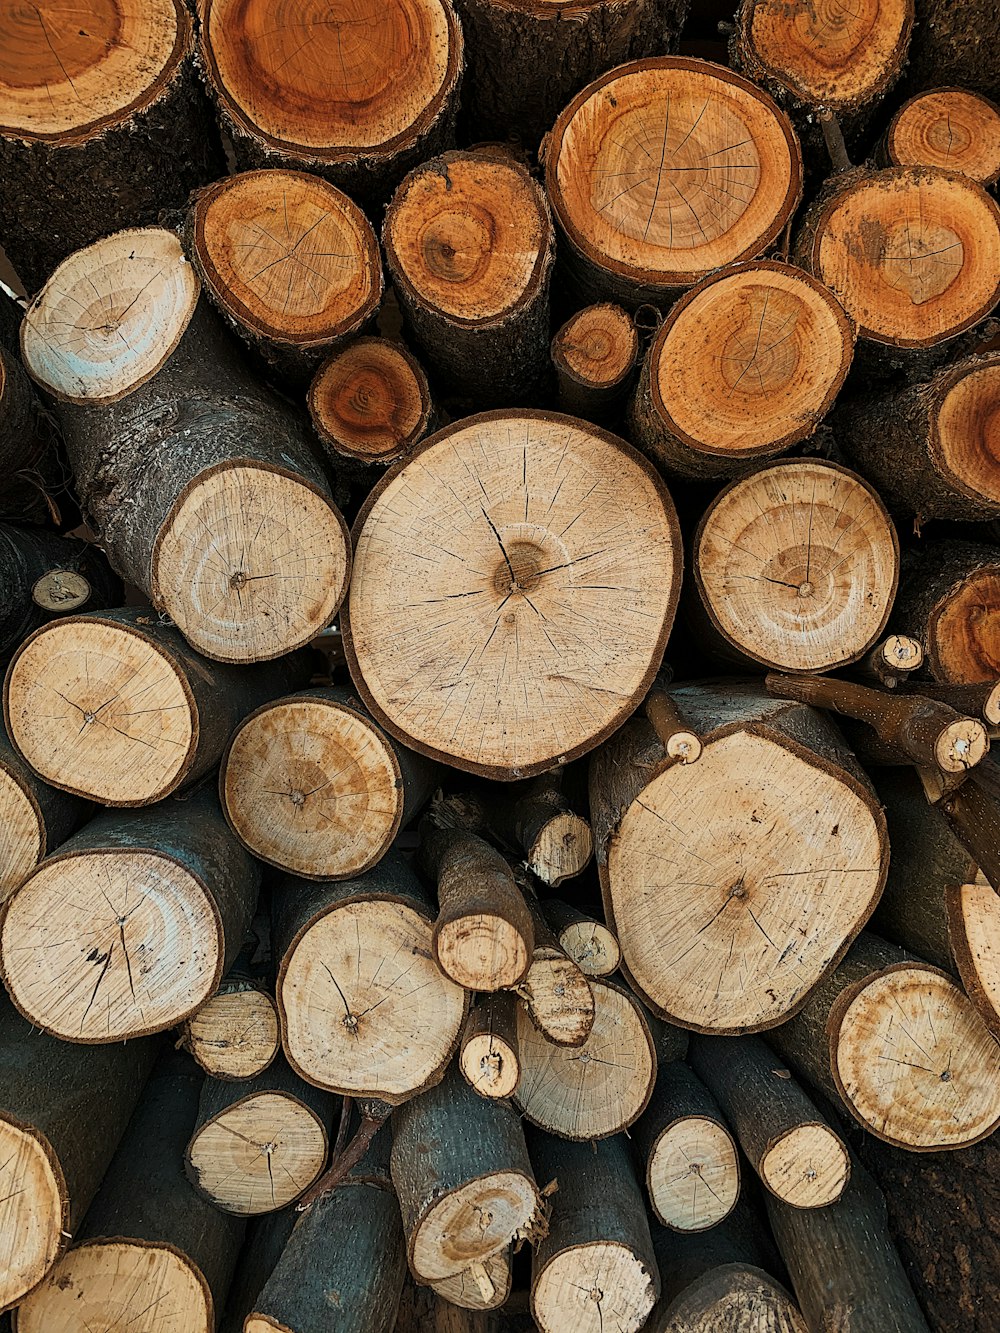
<point x="521" y="477"/>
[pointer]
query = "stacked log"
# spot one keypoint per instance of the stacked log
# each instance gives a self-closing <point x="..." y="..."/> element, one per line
<point x="951" y="128"/>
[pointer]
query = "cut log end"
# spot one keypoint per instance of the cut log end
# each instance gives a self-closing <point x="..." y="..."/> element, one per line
<point x="235" y="1035"/>
<point x="614" y="199"/>
<point x="562" y="849"/>
<point x="965" y="429"/>
<point x="98" y="709"/>
<point x="469" y="1224"/>
<point x="950" y="128"/>
<point x="490" y="1065"/>
<point x="481" y="951"/>
<point x="133" y="291"/>
<point x="961" y="745"/>
<point x="693" y="1174"/>
<point x="597" y="347"/>
<point x="558" y="997"/>
<point x="593" y="1287"/>
<point x="593" y="947"/>
<point x="808" y="1166"/>
<point x="973" y="925"/>
<point x="483" y="1286"/>
<point x="33" y="1213"/>
<point x="75" y="945"/>
<point x="357" y="87"/>
<point x="64" y="80"/>
<point x="797" y="565"/>
<point x="279" y="567"/>
<point x="963" y="644"/>
<point x="287" y="256"/>
<point x="60" y="590"/>
<point x="22" y="832"/>
<point x="312" y="786"/>
<point x="113" y="1284"/>
<point x="371" y="401"/>
<point x="900" y="653"/>
<point x="936" y="1084"/>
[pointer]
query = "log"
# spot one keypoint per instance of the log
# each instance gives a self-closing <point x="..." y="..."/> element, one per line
<point x="678" y="740"/>
<point x="796" y="567"/>
<point x="945" y="594"/>
<point x="57" y="1139"/>
<point x="482" y="1287"/>
<point x="465" y="1184"/>
<point x="637" y="231"/>
<point x="947" y="48"/>
<point x="598" y="1088"/>
<point x="980" y="701"/>
<point x="521" y="680"/>
<point x="371" y="402"/>
<point x="928" y="447"/>
<point x="387" y="1044"/>
<point x="28" y="436"/>
<point x="595" y="354"/>
<point x="290" y="262"/>
<point x="470" y="247"/>
<point x="901" y="1046"/>
<point x="744" y="366"/>
<point x="950" y="128"/>
<point x="739" y="948"/>
<point x="266" y="1238"/>
<point x="557" y="994"/>
<point x="893" y="661"/>
<point x="148" y="1242"/>
<point x="528" y="57"/>
<point x="176" y="439"/>
<point x="116" y="707"/>
<point x="587" y="941"/>
<point x="971" y="805"/>
<point x="422" y="1310"/>
<point x="235" y="1034"/>
<point x="689" y="1156"/>
<point x="34" y="818"/>
<point x="103" y="126"/>
<point x="311" y="784"/>
<point x="488" y="1053"/>
<point x="484" y="934"/>
<point x="357" y="99"/>
<point x="844" y="1267"/>
<point x="596" y="1268"/>
<point x="796" y="1154"/>
<point x="83" y="962"/>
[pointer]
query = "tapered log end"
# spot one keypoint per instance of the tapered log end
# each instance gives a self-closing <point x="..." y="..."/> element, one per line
<point x="371" y="401"/>
<point x="562" y="849"/>
<point x="807" y="1167"/>
<point x="693" y="1174"/>
<point x="950" y="128"/>
<point x="592" y="1287"/>
<point x="559" y="997"/>
<point x="34" y="1212"/>
<point x="235" y="1035"/>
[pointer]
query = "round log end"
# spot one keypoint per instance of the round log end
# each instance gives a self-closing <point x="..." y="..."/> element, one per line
<point x="490" y="1065"/>
<point x="807" y="1167"/>
<point x="950" y="128"/>
<point x="964" y="438"/>
<point x="562" y="849"/>
<point x="60" y="590"/>
<point x="559" y="997"/>
<point x="235" y="1035"/>
<point x="597" y="347"/>
<point x="370" y="401"/>
<point x="468" y="1224"/>
<point x="593" y="1287"/>
<point x="961" y="745"/>
<point x="963" y="643"/>
<point x="973" y="930"/>
<point x="22" y="831"/>
<point x="901" y="652"/>
<point x="34" y="1212"/>
<point x="693" y="1174"/>
<point x="481" y="951"/>
<point x="592" y="946"/>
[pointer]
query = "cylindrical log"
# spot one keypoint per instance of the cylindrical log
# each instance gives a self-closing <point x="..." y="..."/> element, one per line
<point x="488" y="1055"/>
<point x="257" y="1145"/>
<point x="115" y="706"/>
<point x="371" y="402"/>
<point x="946" y="594"/>
<point x="595" y="354"/>
<point x="744" y="366"/>
<point x="931" y="448"/>
<point x="309" y="783"/>
<point x="948" y="48"/>
<point x="484" y="934"/>
<point x="34" y="818"/>
<point x="796" y="567"/>
<point x="104" y="125"/>
<point x="235" y="1035"/>
<point x="488" y="591"/>
<point x="692" y="1169"/>
<point x="63" y="1110"/>
<point x="470" y="247"/>
<point x="729" y="896"/>
<point x="203" y="487"/>
<point x="598" y="1088"/>
<point x="900" y="1044"/>
<point x="130" y="926"/>
<point x="929" y="267"/>
<point x="981" y="701"/>
<point x="797" y="1155"/>
<point x="641" y="213"/>
<point x="149" y="1243"/>
<point x="595" y="1269"/>
<point x="292" y="264"/>
<point x="843" y="1263"/>
<point x="951" y="128"/>
<point x="461" y="1170"/>
<point x="266" y="1238"/>
<point x="350" y="1018"/>
<point x="894" y="660"/>
<point x="589" y="942"/>
<point x="358" y="96"/>
<point x="424" y="1310"/>
<point x="44" y="577"/>
<point x="28" y="437"/>
<point x="557" y="994"/>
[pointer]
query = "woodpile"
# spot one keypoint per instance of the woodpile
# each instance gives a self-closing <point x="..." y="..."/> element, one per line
<point x="500" y="630"/>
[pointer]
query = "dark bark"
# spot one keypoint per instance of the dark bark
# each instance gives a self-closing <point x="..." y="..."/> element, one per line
<point x="266" y="1238"/>
<point x="951" y="45"/>
<point x="28" y="555"/>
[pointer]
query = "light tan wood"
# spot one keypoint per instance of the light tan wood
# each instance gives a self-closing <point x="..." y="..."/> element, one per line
<point x="587" y="1287"/>
<point x="101" y="711"/>
<point x="733" y="1296"/>
<point x="71" y="938"/>
<point x="31" y="1215"/>
<point x="22" y="834"/>
<point x="488" y="1055"/>
<point x="484" y="1286"/>
<point x="807" y="1167"/>
<point x="524" y="568"/>
<point x="592" y="946"/>
<point x="562" y="849"/>
<point x="471" y="1223"/>
<point x="797" y="565"/>
<point x="595" y="1089"/>
<point x="371" y="401"/>
<point x="558" y="996"/>
<point x="118" y="1285"/>
<point x="974" y="931"/>
<point x="952" y="128"/>
<point x="59" y="590"/>
<point x="895" y="658"/>
<point x="693" y="1174"/>
<point x="235" y="1035"/>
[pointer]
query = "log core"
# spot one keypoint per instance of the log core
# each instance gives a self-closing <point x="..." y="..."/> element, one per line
<point x="106" y="916"/>
<point x="288" y="256"/>
<point x="102" y="711"/>
<point x="950" y="128"/>
<point x="371" y="401"/>
<point x="358" y="79"/>
<point x="67" y="73"/>
<point x="797" y="565"/>
<point x="693" y="1174"/>
<point x="618" y="1291"/>
<point x="524" y="531"/>
<point x="115" y="1284"/>
<point x="663" y="170"/>
<point x="22" y="831"/>
<point x="807" y="1167"/>
<point x="32" y="1215"/>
